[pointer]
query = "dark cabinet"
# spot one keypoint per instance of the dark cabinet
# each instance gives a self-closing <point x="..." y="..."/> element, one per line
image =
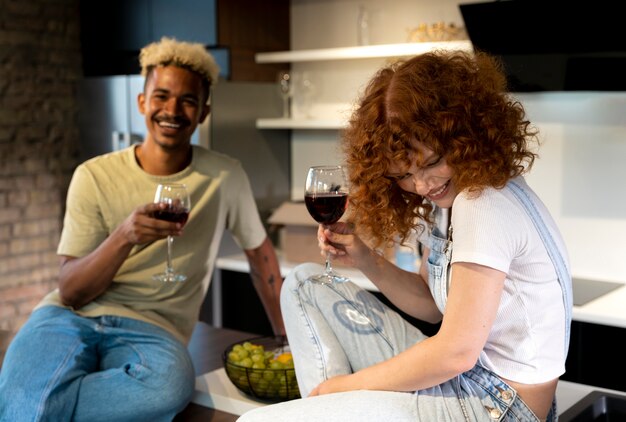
<point x="131" y="24"/>
<point x="189" y="20"/>
<point x="113" y="32"/>
<point x="594" y="356"/>
<point x="242" y="309"/>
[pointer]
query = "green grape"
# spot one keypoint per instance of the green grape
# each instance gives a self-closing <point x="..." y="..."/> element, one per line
<point x="237" y="347"/>
<point x="243" y="353"/>
<point x="246" y="362"/>
<point x="261" y="386"/>
<point x="268" y="375"/>
<point x="257" y="358"/>
<point x="258" y="365"/>
<point x="233" y="356"/>
<point x="247" y="345"/>
<point x="243" y="380"/>
<point x="274" y="364"/>
<point x="254" y="376"/>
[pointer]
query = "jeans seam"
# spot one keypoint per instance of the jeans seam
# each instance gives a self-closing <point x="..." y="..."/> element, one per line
<point x="310" y="327"/>
<point x="53" y="381"/>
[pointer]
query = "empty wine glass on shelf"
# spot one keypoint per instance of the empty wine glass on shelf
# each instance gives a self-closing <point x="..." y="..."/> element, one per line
<point x="178" y="204"/>
<point x="326" y="199"/>
<point x="306" y="92"/>
<point x="285" y="85"/>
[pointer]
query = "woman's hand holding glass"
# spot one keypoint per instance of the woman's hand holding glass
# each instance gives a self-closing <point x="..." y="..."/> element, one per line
<point x="326" y="199"/>
<point x="340" y="241"/>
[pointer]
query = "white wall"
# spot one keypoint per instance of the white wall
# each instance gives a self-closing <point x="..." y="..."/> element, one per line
<point x="581" y="173"/>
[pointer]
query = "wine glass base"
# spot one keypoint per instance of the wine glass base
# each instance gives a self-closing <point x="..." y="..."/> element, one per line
<point x="327" y="278"/>
<point x="169" y="277"/>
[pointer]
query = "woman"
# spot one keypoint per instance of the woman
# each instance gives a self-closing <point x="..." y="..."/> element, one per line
<point x="436" y="132"/>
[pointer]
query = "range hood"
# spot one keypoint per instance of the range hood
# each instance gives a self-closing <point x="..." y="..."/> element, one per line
<point x="545" y="47"/>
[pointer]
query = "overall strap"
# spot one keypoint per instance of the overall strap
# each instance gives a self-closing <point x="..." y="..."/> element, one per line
<point x="553" y="252"/>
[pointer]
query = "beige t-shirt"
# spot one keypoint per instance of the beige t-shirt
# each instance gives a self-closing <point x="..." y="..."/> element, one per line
<point x="106" y="189"/>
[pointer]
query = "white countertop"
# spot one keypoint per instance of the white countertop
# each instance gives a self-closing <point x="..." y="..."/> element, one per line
<point x="609" y="309"/>
<point x="216" y="391"/>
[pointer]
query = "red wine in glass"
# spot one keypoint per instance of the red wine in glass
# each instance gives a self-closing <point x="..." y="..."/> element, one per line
<point x="175" y="208"/>
<point x="326" y="208"/>
<point x="172" y="214"/>
<point x="326" y="199"/>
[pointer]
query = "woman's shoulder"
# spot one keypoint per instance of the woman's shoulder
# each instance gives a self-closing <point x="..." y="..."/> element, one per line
<point x="490" y="204"/>
<point x="483" y="198"/>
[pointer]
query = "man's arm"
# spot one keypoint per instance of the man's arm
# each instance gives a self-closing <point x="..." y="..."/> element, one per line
<point x="83" y="279"/>
<point x="267" y="280"/>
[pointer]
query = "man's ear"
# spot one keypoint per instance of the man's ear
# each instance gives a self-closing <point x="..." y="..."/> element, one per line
<point x="141" y="103"/>
<point x="205" y="112"/>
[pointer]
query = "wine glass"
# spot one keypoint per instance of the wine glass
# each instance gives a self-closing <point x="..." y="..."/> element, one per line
<point x="306" y="92"/>
<point x="178" y="204"/>
<point x="326" y="199"/>
<point x="285" y="84"/>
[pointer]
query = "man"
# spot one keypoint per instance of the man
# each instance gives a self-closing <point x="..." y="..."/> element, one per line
<point x="110" y="343"/>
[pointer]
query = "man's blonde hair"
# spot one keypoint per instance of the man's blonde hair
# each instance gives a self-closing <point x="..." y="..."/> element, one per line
<point x="169" y="51"/>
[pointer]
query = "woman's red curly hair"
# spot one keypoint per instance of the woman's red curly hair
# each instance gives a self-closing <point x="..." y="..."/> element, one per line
<point x="454" y="103"/>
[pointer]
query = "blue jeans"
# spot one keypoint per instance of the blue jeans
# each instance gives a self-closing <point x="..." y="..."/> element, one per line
<point x="64" y="367"/>
<point x="340" y="329"/>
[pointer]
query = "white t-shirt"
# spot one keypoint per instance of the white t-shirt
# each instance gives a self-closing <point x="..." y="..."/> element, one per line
<point x="103" y="193"/>
<point x="526" y="343"/>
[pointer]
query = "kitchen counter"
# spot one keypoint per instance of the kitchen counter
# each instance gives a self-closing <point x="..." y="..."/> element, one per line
<point x="609" y="309"/>
<point x="217" y="400"/>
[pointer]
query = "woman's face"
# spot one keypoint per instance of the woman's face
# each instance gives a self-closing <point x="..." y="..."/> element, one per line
<point x="431" y="178"/>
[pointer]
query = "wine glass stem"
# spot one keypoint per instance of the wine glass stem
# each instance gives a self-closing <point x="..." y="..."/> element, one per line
<point x="329" y="267"/>
<point x="286" y="111"/>
<point x="170" y="241"/>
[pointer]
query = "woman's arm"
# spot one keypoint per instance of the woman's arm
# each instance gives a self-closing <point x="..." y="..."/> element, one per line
<point x="406" y="290"/>
<point x="473" y="301"/>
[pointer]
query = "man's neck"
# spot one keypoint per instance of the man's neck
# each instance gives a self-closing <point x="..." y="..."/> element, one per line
<point x="158" y="161"/>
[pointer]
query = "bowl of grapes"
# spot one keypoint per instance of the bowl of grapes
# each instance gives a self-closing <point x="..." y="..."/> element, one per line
<point x="262" y="367"/>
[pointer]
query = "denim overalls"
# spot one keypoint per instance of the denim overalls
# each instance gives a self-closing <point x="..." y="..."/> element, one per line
<point x="438" y="282"/>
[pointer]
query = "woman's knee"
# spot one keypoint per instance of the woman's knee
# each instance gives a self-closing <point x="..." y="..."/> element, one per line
<point x="295" y="278"/>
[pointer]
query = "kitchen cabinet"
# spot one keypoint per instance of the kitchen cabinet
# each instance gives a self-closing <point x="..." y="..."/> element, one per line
<point x="113" y="32"/>
<point x="593" y="357"/>
<point x="304" y="57"/>
<point x="242" y="309"/>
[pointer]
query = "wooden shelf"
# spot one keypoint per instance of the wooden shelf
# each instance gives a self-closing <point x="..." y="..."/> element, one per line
<point x="361" y="52"/>
<point x="345" y="53"/>
<point x="299" y="124"/>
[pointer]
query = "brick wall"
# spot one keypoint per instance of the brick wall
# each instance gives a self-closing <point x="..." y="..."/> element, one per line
<point x="40" y="65"/>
